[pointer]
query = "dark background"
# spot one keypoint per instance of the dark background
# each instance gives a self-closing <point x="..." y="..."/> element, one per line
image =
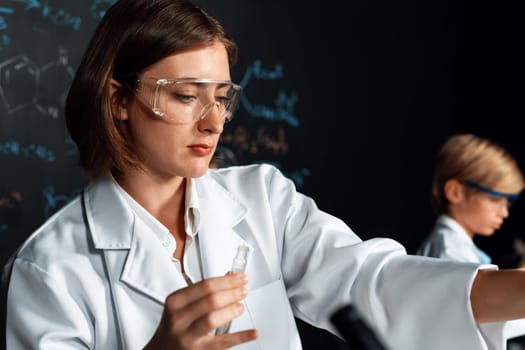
<point x="407" y="75"/>
<point x="350" y="99"/>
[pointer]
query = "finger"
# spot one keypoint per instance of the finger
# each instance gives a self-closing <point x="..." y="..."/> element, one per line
<point x="211" y="311"/>
<point x="201" y="333"/>
<point x="182" y="297"/>
<point x="212" y="320"/>
<point x="233" y="339"/>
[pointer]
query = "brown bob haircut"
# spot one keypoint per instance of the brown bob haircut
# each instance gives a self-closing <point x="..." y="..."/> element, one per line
<point x="133" y="35"/>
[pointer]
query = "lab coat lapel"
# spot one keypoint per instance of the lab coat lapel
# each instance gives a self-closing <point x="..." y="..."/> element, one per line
<point x="217" y="238"/>
<point x="131" y="251"/>
<point x="218" y="245"/>
<point x="148" y="268"/>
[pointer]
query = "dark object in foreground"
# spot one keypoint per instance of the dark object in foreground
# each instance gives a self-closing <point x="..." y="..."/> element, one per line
<point x="354" y="330"/>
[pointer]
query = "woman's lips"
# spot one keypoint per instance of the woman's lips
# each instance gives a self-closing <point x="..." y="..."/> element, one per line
<point x="201" y="149"/>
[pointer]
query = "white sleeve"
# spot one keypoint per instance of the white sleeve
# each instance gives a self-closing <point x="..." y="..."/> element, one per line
<point x="427" y="306"/>
<point x="412" y="302"/>
<point x="57" y="323"/>
<point x="515" y="328"/>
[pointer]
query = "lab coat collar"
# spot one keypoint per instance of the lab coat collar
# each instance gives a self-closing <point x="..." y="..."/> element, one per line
<point x="132" y="253"/>
<point x="109" y="219"/>
<point x="451" y="225"/>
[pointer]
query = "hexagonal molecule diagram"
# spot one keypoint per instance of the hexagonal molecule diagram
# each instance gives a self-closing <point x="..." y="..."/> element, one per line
<point x="18" y="83"/>
<point x="22" y="83"/>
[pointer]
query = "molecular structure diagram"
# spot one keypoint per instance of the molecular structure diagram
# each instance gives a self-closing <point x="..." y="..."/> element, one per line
<point x="20" y="74"/>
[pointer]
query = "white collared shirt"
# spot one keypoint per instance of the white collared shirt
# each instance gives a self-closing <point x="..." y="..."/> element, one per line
<point x="191" y="255"/>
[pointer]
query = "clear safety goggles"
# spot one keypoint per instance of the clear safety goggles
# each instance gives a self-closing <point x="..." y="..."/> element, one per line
<point x="182" y="101"/>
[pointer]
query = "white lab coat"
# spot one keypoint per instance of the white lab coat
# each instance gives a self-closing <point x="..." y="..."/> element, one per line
<point x="97" y="278"/>
<point x="449" y="240"/>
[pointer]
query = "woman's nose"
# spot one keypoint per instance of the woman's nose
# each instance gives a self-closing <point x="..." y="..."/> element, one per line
<point x="212" y="118"/>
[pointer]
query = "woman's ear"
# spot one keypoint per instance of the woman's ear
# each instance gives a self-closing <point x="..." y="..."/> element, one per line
<point x="453" y="190"/>
<point x="118" y="103"/>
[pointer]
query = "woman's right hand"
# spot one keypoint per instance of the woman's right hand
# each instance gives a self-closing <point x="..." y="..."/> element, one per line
<point x="192" y="314"/>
